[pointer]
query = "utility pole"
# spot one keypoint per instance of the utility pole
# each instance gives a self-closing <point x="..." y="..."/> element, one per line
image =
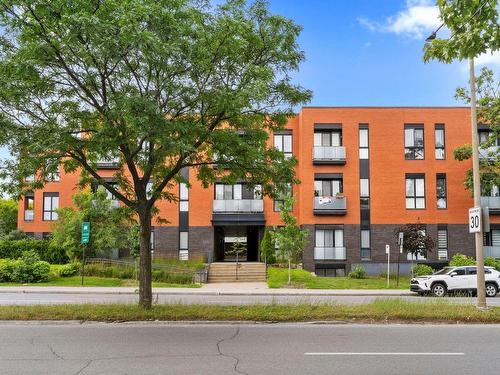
<point x="481" y="295"/>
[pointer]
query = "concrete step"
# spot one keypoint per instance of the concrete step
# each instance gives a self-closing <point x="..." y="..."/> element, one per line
<point x="226" y="272"/>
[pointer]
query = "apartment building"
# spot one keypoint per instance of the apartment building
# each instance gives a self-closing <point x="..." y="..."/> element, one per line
<point x="364" y="171"/>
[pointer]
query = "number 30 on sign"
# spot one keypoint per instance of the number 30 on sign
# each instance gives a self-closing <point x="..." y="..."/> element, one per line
<point x="475" y="220"/>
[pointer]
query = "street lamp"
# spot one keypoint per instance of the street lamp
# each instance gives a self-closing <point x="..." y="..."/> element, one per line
<point x="481" y="295"/>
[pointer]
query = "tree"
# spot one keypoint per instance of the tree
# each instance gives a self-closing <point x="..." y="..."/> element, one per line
<point x="8" y="216"/>
<point x="291" y="239"/>
<point x="267" y="248"/>
<point x="416" y="241"/>
<point x="159" y="85"/>
<point x="107" y="225"/>
<point x="488" y="95"/>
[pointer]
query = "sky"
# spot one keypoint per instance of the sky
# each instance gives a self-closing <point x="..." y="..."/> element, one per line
<point x="369" y="53"/>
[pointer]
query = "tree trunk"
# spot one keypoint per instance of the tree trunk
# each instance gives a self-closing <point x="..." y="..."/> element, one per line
<point x="289" y="271"/>
<point x="145" y="291"/>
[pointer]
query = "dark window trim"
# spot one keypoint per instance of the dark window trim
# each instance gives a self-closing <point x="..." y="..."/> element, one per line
<point x="440" y="127"/>
<point x="328" y="176"/>
<point x="442" y="176"/>
<point x="414" y="176"/>
<point x="333" y="126"/>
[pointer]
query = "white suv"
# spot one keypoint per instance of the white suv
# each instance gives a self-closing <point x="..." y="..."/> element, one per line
<point x="455" y="279"/>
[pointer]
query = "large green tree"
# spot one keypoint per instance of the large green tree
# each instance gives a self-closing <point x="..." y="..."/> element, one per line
<point x="108" y="225"/>
<point x="8" y="216"/>
<point x="160" y="85"/>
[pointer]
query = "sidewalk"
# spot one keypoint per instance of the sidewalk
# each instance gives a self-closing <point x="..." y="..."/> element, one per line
<point x="229" y="289"/>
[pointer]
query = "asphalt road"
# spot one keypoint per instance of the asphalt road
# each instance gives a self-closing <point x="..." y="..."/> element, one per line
<point x="64" y="298"/>
<point x="159" y="348"/>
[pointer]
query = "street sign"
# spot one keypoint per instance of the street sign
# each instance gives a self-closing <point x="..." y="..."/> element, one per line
<point x="85" y="232"/>
<point x="400" y="238"/>
<point x="475" y="220"/>
<point x="387" y="249"/>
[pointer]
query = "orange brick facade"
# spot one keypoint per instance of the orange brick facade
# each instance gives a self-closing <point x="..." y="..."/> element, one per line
<point x="386" y="169"/>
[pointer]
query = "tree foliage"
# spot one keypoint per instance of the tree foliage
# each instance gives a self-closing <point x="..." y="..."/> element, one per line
<point x="108" y="225"/>
<point x="290" y="237"/>
<point x="416" y="241"/>
<point x="267" y="248"/>
<point x="8" y="216"/>
<point x="159" y="85"/>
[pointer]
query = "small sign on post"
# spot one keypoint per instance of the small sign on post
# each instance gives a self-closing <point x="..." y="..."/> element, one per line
<point x="388" y="252"/>
<point x="475" y="220"/>
<point x="85" y="241"/>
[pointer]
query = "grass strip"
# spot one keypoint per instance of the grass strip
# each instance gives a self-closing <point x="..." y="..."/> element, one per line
<point x="381" y="310"/>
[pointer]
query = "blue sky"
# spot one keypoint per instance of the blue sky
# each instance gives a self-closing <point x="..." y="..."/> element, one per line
<point x="366" y="52"/>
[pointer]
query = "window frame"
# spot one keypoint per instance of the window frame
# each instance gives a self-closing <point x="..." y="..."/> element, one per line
<point x="411" y="150"/>
<point x="287" y="154"/>
<point x="441" y="177"/>
<point x="53" y="214"/>
<point x="437" y="128"/>
<point x="415" y="177"/>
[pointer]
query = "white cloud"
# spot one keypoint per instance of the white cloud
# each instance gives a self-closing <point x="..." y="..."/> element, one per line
<point x="488" y="58"/>
<point x="418" y="19"/>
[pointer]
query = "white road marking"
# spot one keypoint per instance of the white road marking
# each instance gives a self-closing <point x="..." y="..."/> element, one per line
<point x="388" y="354"/>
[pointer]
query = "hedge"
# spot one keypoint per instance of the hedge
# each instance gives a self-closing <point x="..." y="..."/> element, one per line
<point x="27" y="269"/>
<point x="14" y="249"/>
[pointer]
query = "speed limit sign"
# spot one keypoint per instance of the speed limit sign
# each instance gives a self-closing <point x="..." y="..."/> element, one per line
<point x="475" y="220"/>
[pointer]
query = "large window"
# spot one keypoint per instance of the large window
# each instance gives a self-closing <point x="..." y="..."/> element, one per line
<point x="183" y="197"/>
<point x="441" y="190"/>
<point x="237" y="191"/>
<point x="29" y="207"/>
<point x="280" y="199"/>
<point x="50" y="205"/>
<point x="283" y="142"/>
<point x="442" y="244"/>
<point x="415" y="191"/>
<point x="439" y="142"/>
<point x="329" y="244"/>
<point x="327" y="188"/>
<point x="327" y="138"/>
<point x="414" y="142"/>
<point x="492" y="238"/>
<point x="365" y="244"/>
<point x="363" y="144"/>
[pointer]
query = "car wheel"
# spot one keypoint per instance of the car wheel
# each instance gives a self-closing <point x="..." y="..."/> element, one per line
<point x="439" y="290"/>
<point x="491" y="290"/>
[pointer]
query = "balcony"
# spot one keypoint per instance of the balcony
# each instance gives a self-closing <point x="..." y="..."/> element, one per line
<point x="329" y="155"/>
<point x="329" y="253"/>
<point x="330" y="205"/>
<point x="238" y="206"/>
<point x="28" y="215"/>
<point x="492" y="251"/>
<point x="489" y="153"/>
<point x="493" y="204"/>
<point x="110" y="163"/>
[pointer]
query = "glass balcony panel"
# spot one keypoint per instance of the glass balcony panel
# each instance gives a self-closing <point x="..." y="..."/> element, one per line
<point x="238" y="205"/>
<point x="329" y="253"/>
<point x="329" y="153"/>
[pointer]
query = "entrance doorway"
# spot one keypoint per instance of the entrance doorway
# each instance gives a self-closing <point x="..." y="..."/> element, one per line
<point x="240" y="243"/>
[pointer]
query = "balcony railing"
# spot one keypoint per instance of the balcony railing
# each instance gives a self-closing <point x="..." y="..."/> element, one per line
<point x="329" y="154"/>
<point x="493" y="204"/>
<point x="110" y="163"/>
<point x="335" y="205"/>
<point x="489" y="152"/>
<point x="492" y="251"/>
<point x="238" y="205"/>
<point x="329" y="253"/>
<point x="28" y="215"/>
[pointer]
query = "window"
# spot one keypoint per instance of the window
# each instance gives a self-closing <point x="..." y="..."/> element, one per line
<point x="237" y="191"/>
<point x="29" y="207"/>
<point x="329" y="244"/>
<point x="54" y="174"/>
<point x="414" y="142"/>
<point x="50" y="205"/>
<point x="330" y="272"/>
<point x="46" y="235"/>
<point x="183" y="240"/>
<point x="279" y="200"/>
<point x="183" y="197"/>
<point x="411" y="256"/>
<point x="327" y="188"/>
<point x="441" y="190"/>
<point x="439" y="142"/>
<point x="442" y="244"/>
<point x="327" y="138"/>
<point x="109" y="195"/>
<point x="363" y="144"/>
<point x="364" y="192"/>
<point x="283" y="142"/>
<point x="415" y="192"/>
<point x="492" y="238"/>
<point x="365" y="244"/>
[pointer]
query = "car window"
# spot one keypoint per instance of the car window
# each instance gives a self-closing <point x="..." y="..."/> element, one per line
<point x="486" y="270"/>
<point x="460" y="271"/>
<point x="471" y="270"/>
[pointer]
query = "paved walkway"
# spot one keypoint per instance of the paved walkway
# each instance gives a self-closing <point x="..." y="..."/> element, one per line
<point x="257" y="289"/>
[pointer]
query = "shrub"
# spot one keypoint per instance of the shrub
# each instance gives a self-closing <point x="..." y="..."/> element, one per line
<point x="462" y="260"/>
<point x="422" y="269"/>
<point x="70" y="269"/>
<point x="492" y="262"/>
<point x="6" y="268"/>
<point x="28" y="269"/>
<point x="357" y="273"/>
<point x="13" y="249"/>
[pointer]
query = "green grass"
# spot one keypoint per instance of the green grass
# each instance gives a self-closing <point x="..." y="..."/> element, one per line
<point x="278" y="278"/>
<point x="75" y="281"/>
<point x="378" y="311"/>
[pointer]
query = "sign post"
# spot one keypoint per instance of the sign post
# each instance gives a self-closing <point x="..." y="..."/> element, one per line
<point x="400" y="243"/>
<point x="388" y="252"/>
<point x="85" y="241"/>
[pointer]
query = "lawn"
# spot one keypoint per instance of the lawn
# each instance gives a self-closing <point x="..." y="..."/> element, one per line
<point x="379" y="311"/>
<point x="278" y="278"/>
